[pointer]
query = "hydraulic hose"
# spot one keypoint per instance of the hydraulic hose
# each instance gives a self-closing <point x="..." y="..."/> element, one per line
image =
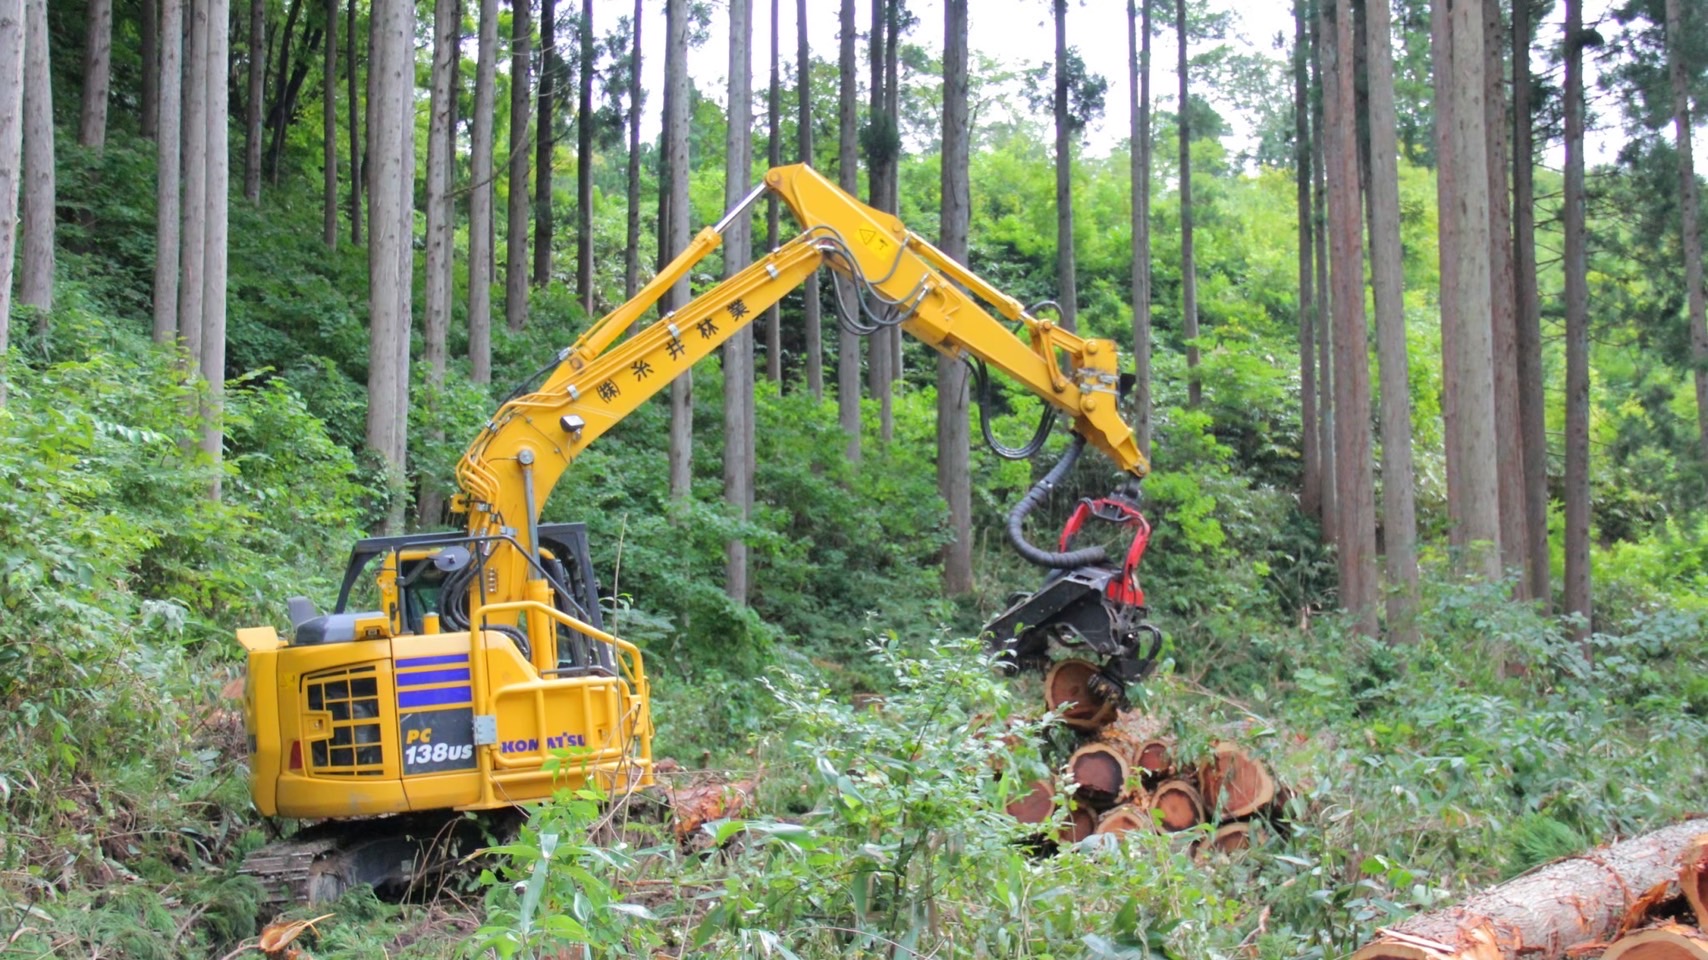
<point x="1053" y="560"/>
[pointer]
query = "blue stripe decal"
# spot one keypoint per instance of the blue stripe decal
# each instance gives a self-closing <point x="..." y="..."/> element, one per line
<point x="433" y="698"/>
<point x="430" y="661"/>
<point x="426" y="677"/>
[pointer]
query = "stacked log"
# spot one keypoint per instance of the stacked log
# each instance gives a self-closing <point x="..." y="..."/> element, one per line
<point x="1625" y="901"/>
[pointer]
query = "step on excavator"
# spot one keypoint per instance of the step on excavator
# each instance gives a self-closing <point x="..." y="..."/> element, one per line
<point x="471" y="670"/>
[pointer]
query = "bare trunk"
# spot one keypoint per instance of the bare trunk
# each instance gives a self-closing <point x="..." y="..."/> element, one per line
<point x="97" y="75"/>
<point x="879" y="357"/>
<point x="278" y="115"/>
<point x="631" y="250"/>
<point x="954" y="430"/>
<point x="1441" y="58"/>
<point x="544" y="143"/>
<point x="803" y="127"/>
<point x="193" y="246"/>
<point x="1387" y="268"/>
<point x="357" y="168"/>
<point x="1503" y="325"/>
<point x="481" y="196"/>
<point x="329" y="132"/>
<point x="774" y="157"/>
<point x="35" y="287"/>
<point x="1324" y="296"/>
<point x="1188" y="263"/>
<point x="738" y="349"/>
<point x="516" y="235"/>
<point x="676" y="234"/>
<point x="1139" y="77"/>
<point x="847" y="344"/>
<point x="1576" y="266"/>
<point x="447" y="33"/>
<point x="257" y="94"/>
<point x="1067" y="292"/>
<point x="168" y="146"/>
<point x="1353" y="484"/>
<point x="1310" y="491"/>
<point x="11" y="159"/>
<point x="1532" y="409"/>
<point x="1688" y="210"/>
<point x="388" y="298"/>
<point x="148" y="124"/>
<point x="214" y="252"/>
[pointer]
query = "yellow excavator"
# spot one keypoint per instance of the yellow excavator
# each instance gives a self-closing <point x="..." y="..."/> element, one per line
<point x="476" y="674"/>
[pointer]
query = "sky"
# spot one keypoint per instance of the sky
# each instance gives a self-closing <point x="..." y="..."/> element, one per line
<point x="1020" y="34"/>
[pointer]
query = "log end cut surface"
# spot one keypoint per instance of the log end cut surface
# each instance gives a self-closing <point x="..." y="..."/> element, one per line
<point x="1099" y="771"/>
<point x="1069" y="681"/>
<point x="1670" y="941"/>
<point x="1238" y="781"/>
<point x="1036" y="805"/>
<point x="1179" y="805"/>
<point x="1124" y="818"/>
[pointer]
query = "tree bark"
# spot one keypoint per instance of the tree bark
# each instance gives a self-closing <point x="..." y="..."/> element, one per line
<point x="1188" y="263"/>
<point x="1532" y="409"/>
<point x="192" y="247"/>
<point x="545" y="142"/>
<point x="738" y="349"/>
<point x="1310" y="489"/>
<point x="1541" y="914"/>
<point x="278" y="116"/>
<point x="168" y="146"/>
<point x="481" y="195"/>
<point x="676" y="234"/>
<point x="631" y="250"/>
<point x="584" y="163"/>
<point x="97" y="75"/>
<point x="1387" y="269"/>
<point x="954" y="429"/>
<point x="1324" y="296"/>
<point x="148" y="124"/>
<point x="11" y="159"/>
<point x="1139" y="80"/>
<point x="774" y="157"/>
<point x="847" y="344"/>
<point x="1689" y="210"/>
<point x="1503" y="324"/>
<point x="357" y="167"/>
<point x="257" y="94"/>
<point x="1576" y="266"/>
<point x="214" y="260"/>
<point x="1067" y="284"/>
<point x="35" y="287"/>
<point x="879" y="356"/>
<point x="516" y="235"/>
<point x="447" y="33"/>
<point x="390" y="93"/>
<point x="814" y="320"/>
<point x="1356" y="558"/>
<point x="329" y="132"/>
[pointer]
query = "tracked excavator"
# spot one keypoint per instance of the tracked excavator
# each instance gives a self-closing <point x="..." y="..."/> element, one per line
<point x="482" y="677"/>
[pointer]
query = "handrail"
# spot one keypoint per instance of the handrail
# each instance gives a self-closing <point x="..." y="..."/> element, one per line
<point x="572" y="623"/>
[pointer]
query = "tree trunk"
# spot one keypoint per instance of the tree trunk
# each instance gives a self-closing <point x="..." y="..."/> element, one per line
<point x="1540" y="915"/>
<point x="1178" y="805"/>
<point x="1102" y="773"/>
<point x="1188" y="263"/>
<point x="1235" y="783"/>
<point x="278" y="116"/>
<point x="631" y="250"/>
<point x="879" y="373"/>
<point x="892" y="187"/>
<point x="257" y="94"/>
<point x="1353" y="485"/>
<point x="148" y="123"/>
<point x="192" y="247"/>
<point x="329" y="132"/>
<point x="1069" y="682"/>
<point x="1139" y="78"/>
<point x="168" y="146"/>
<point x="357" y="167"/>
<point x="97" y="75"/>
<point x="1532" y="409"/>
<point x="481" y="195"/>
<point x="803" y="128"/>
<point x="774" y="157"/>
<point x="738" y="349"/>
<point x="11" y="159"/>
<point x="447" y="34"/>
<point x="545" y="142"/>
<point x="1576" y="266"/>
<point x="516" y="235"/>
<point x="390" y="92"/>
<point x="1310" y="489"/>
<point x="35" y="287"/>
<point x="1067" y="284"/>
<point x="584" y="162"/>
<point x="1503" y="325"/>
<point x="214" y="260"/>
<point x="1387" y="269"/>
<point x="676" y="233"/>
<point x="954" y="429"/>
<point x="847" y="344"/>
<point x="1689" y="210"/>
<point x="1324" y="296"/>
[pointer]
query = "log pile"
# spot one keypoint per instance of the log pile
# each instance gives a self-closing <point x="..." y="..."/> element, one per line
<point x="1641" y="899"/>
<point x="1129" y="777"/>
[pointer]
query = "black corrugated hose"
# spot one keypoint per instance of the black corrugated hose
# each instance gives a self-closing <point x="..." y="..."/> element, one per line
<point x="1053" y="560"/>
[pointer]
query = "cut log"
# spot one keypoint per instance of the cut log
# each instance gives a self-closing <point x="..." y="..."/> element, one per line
<point x="1036" y="805"/>
<point x="1155" y="757"/>
<point x="1179" y="805"/>
<point x="1670" y="941"/>
<point x="1082" y="823"/>
<point x="1542" y="914"/>
<point x="1235" y="783"/>
<point x="1101" y="772"/>
<point x="1231" y="838"/>
<point x="1127" y="816"/>
<point x="696" y="806"/>
<point x="1693" y="878"/>
<point x="1069" y="682"/>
